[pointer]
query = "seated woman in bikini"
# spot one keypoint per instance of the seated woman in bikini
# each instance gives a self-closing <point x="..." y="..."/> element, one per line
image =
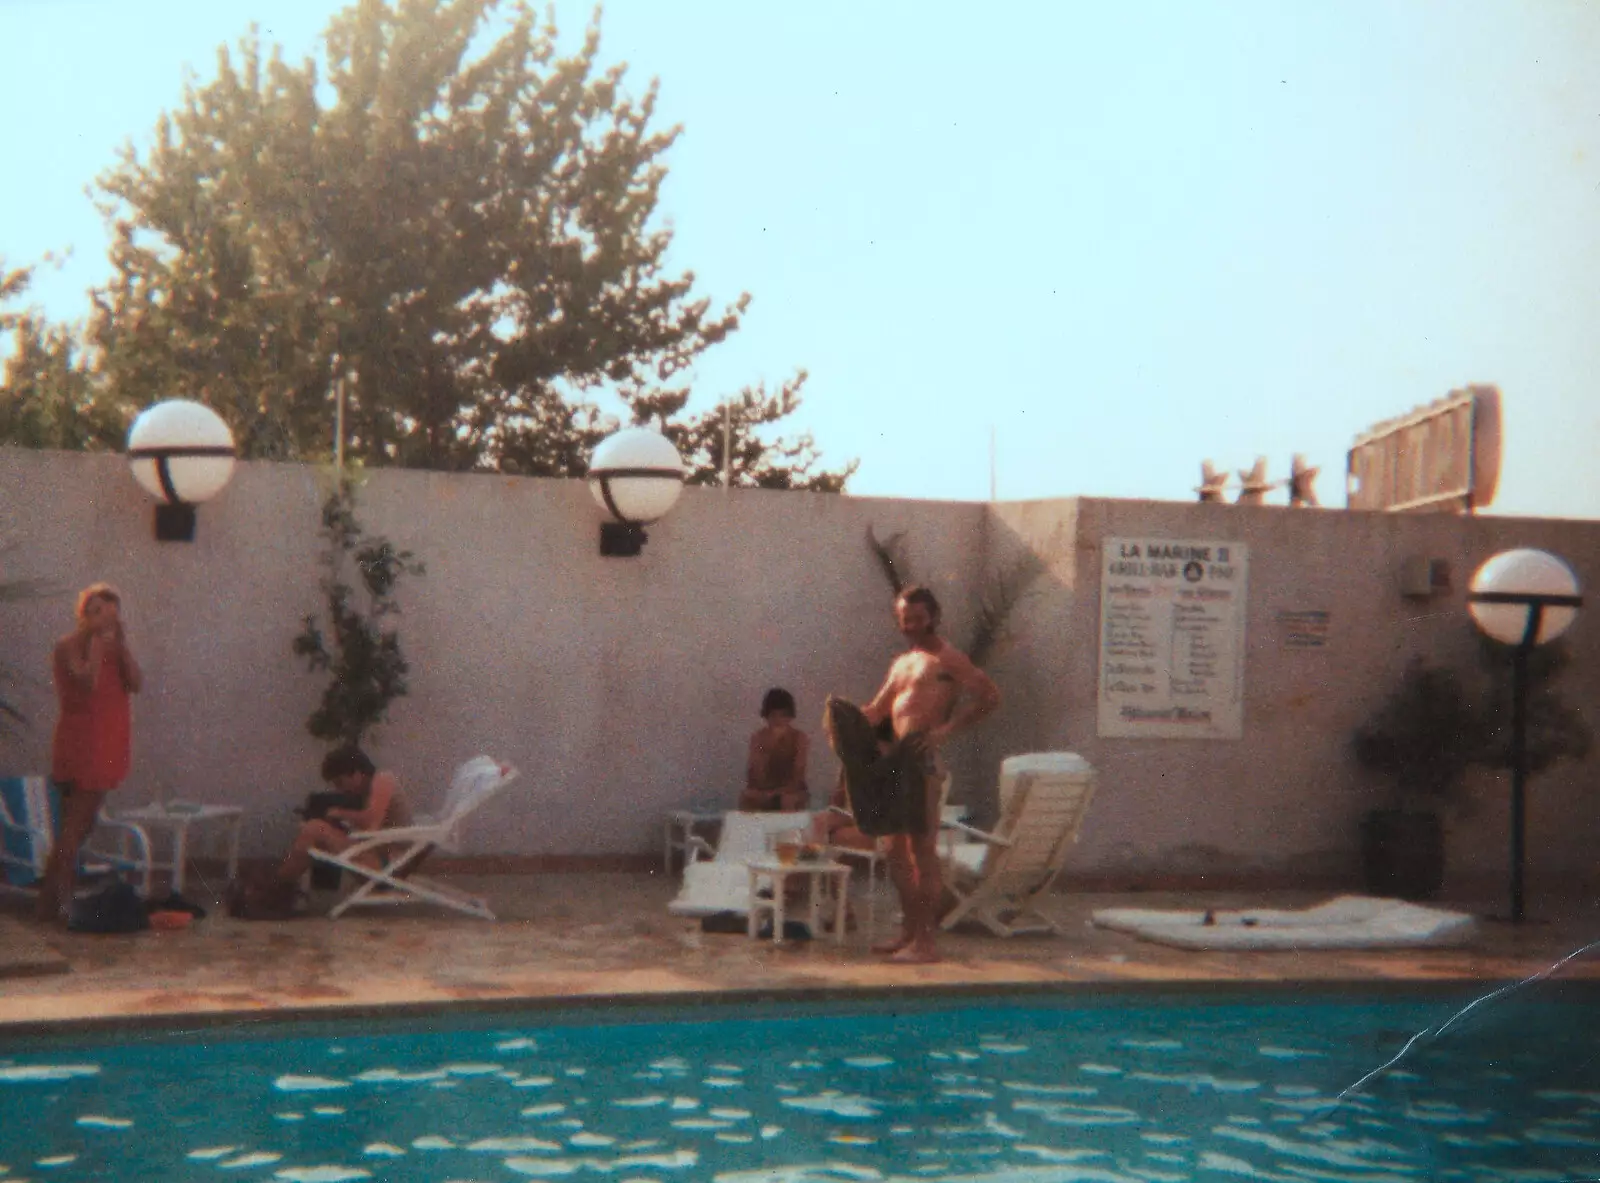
<point x="348" y="770"/>
<point x="775" y="772"/>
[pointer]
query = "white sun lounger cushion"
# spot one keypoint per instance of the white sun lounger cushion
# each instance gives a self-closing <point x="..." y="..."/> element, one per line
<point x="722" y="884"/>
<point x="1346" y="922"/>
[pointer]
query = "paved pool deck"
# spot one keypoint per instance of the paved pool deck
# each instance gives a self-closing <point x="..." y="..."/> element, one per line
<point x="600" y="938"/>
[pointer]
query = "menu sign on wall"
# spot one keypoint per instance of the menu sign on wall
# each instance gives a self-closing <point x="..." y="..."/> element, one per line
<point x="1172" y="638"/>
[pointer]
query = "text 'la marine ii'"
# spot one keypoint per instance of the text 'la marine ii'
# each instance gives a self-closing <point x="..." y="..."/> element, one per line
<point x="1167" y="559"/>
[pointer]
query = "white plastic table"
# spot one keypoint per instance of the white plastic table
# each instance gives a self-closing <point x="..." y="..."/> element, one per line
<point x="777" y="875"/>
<point x="177" y="818"/>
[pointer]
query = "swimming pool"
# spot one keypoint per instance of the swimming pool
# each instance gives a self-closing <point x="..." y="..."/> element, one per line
<point x="1039" y="1088"/>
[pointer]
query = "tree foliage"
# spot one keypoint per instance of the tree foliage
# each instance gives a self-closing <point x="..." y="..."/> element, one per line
<point x="758" y="460"/>
<point x="49" y="397"/>
<point x="443" y="211"/>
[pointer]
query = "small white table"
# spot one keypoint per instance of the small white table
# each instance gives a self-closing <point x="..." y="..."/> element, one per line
<point x="177" y="818"/>
<point x="681" y="824"/>
<point x="776" y="875"/>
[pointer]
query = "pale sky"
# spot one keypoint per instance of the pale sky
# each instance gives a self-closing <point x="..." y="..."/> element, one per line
<point x="1124" y="237"/>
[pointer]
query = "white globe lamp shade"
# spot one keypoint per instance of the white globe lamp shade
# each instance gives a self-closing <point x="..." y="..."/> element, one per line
<point x="181" y="452"/>
<point x="1505" y="589"/>
<point x="636" y="475"/>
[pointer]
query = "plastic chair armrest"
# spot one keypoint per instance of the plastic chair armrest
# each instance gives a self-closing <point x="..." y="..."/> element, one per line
<point x="976" y="834"/>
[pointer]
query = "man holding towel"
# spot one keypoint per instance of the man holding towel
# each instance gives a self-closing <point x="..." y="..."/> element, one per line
<point x="933" y="690"/>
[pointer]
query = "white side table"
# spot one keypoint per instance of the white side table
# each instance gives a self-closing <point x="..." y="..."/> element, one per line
<point x="777" y="874"/>
<point x="177" y="818"/>
<point x="681" y="824"/>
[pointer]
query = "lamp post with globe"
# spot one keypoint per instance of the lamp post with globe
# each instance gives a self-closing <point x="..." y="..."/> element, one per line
<point x="1522" y="598"/>
<point x="636" y="476"/>
<point x="181" y="453"/>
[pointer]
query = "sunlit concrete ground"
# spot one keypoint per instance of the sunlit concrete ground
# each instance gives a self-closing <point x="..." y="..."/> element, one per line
<point x="598" y="936"/>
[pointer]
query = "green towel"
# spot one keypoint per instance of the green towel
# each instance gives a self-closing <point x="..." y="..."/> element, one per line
<point x="888" y="791"/>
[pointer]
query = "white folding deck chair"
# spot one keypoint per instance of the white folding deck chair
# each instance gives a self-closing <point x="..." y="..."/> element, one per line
<point x="719" y="880"/>
<point x="404" y="847"/>
<point x="30" y="812"/>
<point x="998" y="878"/>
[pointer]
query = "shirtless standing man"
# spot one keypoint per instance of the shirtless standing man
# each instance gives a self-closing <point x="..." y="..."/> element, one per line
<point x="920" y="696"/>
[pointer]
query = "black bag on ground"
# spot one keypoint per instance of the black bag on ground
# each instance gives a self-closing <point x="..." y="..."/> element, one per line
<point x="116" y="907"/>
<point x="262" y="896"/>
<point x="736" y="923"/>
<point x="793" y="930"/>
<point x="323" y="876"/>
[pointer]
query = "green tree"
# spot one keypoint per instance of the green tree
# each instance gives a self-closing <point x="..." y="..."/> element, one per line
<point x="49" y="397"/>
<point x="444" y="212"/>
<point x="758" y="461"/>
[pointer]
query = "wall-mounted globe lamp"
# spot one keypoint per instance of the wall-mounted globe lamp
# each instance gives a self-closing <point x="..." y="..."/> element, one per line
<point x="1522" y="598"/>
<point x="181" y="453"/>
<point x="636" y="476"/>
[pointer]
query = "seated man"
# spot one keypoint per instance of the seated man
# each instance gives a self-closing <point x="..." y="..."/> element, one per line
<point x="383" y="807"/>
<point x="775" y="772"/>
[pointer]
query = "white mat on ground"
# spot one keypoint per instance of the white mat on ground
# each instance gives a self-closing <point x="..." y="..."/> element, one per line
<point x="1346" y="922"/>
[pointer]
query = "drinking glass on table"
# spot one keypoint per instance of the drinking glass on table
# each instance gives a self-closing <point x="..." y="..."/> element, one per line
<point x="786" y="845"/>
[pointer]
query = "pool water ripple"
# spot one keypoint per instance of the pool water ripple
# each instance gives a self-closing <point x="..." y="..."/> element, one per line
<point x="968" y="1092"/>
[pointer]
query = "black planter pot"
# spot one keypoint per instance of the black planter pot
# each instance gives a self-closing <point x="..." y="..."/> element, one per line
<point x="1402" y="854"/>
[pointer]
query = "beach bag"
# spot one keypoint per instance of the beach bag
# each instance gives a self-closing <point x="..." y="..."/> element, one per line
<point x="116" y="907"/>
<point x="262" y="896"/>
<point x="323" y="876"/>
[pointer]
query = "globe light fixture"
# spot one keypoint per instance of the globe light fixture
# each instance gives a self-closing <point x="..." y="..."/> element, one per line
<point x="1522" y="598"/>
<point x="181" y="453"/>
<point x="636" y="476"/>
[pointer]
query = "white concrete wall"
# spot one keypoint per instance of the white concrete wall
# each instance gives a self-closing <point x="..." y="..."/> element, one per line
<point x="626" y="687"/>
<point x="1287" y="798"/>
<point x="621" y="687"/>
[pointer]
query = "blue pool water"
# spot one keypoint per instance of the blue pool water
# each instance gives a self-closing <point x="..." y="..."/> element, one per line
<point x="1043" y="1089"/>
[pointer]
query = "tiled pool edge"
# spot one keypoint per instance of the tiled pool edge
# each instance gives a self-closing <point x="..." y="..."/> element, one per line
<point x="641" y="1005"/>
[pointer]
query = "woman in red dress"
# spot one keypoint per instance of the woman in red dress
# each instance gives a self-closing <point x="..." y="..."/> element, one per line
<point x="94" y="673"/>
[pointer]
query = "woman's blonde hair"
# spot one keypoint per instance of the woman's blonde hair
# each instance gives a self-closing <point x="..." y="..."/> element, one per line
<point x="96" y="591"/>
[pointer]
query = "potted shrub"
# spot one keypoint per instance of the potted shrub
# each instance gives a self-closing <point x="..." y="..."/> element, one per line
<point x="361" y="650"/>
<point x="1422" y="739"/>
<point x="1555" y="731"/>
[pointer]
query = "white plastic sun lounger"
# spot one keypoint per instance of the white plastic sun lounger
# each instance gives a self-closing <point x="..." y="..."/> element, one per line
<point x="403" y="848"/>
<point x="722" y="883"/>
<point x="1346" y="922"/>
<point x="1000" y="878"/>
